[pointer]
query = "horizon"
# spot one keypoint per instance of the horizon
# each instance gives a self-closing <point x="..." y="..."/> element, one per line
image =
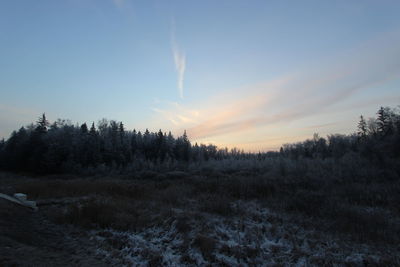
<point x="78" y="125"/>
<point x="235" y="74"/>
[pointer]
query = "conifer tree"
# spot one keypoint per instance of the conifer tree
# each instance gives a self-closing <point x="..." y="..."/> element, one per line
<point x="84" y="128"/>
<point x="121" y="130"/>
<point x="42" y="124"/>
<point x="93" y="129"/>
<point x="384" y="121"/>
<point x="362" y="127"/>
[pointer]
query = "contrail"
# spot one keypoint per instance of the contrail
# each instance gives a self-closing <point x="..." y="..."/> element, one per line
<point x="179" y="60"/>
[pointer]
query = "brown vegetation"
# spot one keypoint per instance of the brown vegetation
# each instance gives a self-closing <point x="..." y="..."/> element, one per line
<point x="364" y="210"/>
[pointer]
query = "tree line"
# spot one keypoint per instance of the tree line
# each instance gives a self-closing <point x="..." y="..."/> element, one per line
<point x="61" y="147"/>
<point x="376" y="139"/>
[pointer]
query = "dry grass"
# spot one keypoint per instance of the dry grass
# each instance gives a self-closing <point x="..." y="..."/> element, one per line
<point x="216" y="204"/>
<point x="360" y="210"/>
<point x="56" y="188"/>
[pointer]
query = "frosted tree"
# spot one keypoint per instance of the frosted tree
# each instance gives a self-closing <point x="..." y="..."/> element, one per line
<point x="362" y="127"/>
<point x="42" y="124"/>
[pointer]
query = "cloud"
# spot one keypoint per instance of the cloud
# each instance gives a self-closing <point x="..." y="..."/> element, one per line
<point x="126" y="7"/>
<point x="269" y="108"/>
<point x="177" y="114"/>
<point x="119" y="3"/>
<point x="179" y="60"/>
<point x="321" y="125"/>
<point x="228" y="120"/>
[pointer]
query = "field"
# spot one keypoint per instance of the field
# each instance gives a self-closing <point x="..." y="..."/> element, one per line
<point x="199" y="133"/>
<point x="278" y="215"/>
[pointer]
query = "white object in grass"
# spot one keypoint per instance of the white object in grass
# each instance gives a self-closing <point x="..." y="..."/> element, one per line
<point x="20" y="199"/>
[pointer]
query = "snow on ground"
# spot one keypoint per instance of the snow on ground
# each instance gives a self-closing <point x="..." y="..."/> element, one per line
<point x="255" y="237"/>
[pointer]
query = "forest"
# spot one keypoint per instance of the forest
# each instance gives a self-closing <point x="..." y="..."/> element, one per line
<point x="62" y="147"/>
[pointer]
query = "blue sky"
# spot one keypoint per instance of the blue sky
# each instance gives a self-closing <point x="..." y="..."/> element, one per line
<point x="252" y="74"/>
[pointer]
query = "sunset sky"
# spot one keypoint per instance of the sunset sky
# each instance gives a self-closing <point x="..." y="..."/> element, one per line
<point x="250" y="74"/>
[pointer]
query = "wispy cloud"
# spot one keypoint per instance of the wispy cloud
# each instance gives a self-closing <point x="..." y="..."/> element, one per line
<point x="179" y="60"/>
<point x="119" y="3"/>
<point x="271" y="107"/>
<point x="321" y="125"/>
<point x="126" y="7"/>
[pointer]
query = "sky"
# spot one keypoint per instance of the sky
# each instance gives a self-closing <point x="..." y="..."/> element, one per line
<point x="247" y="74"/>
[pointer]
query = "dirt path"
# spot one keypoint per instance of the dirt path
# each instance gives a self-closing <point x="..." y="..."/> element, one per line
<point x="27" y="238"/>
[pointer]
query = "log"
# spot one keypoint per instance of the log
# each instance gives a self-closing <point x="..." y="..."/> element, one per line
<point x="20" y="199"/>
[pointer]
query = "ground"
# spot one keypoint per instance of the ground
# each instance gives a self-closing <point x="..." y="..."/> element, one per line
<point x="28" y="238"/>
<point x="120" y="222"/>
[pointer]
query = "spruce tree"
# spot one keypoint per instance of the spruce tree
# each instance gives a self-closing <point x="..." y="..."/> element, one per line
<point x="84" y="128"/>
<point x="93" y="129"/>
<point x="121" y="130"/>
<point x="384" y="121"/>
<point x="42" y="124"/>
<point x="362" y="127"/>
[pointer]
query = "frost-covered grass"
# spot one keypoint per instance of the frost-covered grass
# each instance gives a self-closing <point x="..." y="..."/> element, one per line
<point x="304" y="212"/>
<point x="254" y="237"/>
